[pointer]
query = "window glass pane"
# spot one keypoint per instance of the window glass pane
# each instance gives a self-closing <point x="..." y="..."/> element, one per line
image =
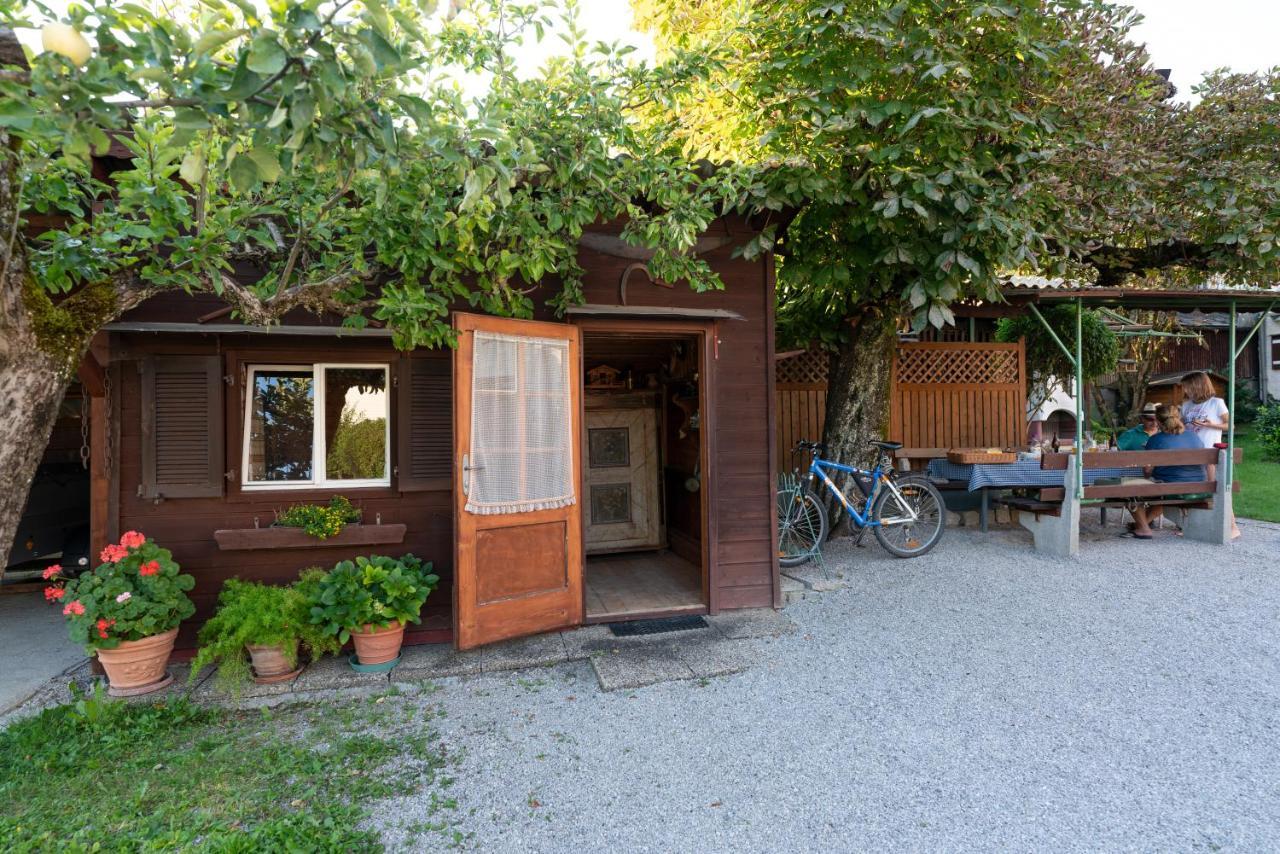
<point x="355" y="423"/>
<point x="280" y="425"/>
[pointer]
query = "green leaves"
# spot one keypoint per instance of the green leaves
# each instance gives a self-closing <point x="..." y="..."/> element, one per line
<point x="16" y="113"/>
<point x="374" y="590"/>
<point x="256" y="614"/>
<point x="243" y="173"/>
<point x="266" y="56"/>
<point x="265" y="126"/>
<point x="214" y="39"/>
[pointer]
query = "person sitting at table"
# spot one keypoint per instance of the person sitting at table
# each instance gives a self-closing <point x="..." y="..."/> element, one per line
<point x="1173" y="436"/>
<point x="1135" y="438"/>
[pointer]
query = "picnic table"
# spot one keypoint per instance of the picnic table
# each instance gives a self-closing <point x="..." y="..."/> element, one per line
<point x="983" y="477"/>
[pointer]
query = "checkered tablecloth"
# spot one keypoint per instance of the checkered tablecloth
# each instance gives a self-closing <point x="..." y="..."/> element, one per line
<point x="1021" y="473"/>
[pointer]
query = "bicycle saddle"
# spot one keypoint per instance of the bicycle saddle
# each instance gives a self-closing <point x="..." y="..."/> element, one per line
<point x="887" y="446"/>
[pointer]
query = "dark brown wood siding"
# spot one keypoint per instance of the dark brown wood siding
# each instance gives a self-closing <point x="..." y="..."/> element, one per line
<point x="1213" y="353"/>
<point x="740" y="483"/>
<point x="186" y="525"/>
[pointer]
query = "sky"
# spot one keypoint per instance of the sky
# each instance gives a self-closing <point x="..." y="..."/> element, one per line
<point x="1194" y="36"/>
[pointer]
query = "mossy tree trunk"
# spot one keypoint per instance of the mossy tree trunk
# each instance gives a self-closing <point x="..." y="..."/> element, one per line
<point x="40" y="348"/>
<point x="858" y="393"/>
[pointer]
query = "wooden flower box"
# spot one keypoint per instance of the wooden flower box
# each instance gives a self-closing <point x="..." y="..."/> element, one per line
<point x="250" y="539"/>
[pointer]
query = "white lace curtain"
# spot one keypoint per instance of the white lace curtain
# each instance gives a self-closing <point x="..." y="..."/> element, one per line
<point x="521" y="447"/>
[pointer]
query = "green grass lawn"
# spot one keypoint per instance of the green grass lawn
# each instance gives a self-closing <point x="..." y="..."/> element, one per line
<point x="111" y="776"/>
<point x="1259" y="496"/>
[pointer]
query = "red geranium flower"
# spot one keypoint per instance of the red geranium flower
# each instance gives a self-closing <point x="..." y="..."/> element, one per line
<point x="103" y="625"/>
<point x="73" y="607"/>
<point x="54" y="594"/>
<point x="132" y="539"/>
<point x="151" y="567"/>
<point x="51" y="571"/>
<point x="113" y="554"/>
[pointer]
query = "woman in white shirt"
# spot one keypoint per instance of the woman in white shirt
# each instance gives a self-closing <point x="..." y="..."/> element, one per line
<point x="1205" y="414"/>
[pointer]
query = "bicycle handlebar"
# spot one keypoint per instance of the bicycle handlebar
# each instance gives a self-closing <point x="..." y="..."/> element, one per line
<point x="805" y="445"/>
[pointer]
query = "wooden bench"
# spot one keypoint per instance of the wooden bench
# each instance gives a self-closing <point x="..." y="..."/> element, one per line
<point x="1053" y="517"/>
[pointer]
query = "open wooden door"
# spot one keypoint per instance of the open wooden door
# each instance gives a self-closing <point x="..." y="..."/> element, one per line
<point x="518" y="442"/>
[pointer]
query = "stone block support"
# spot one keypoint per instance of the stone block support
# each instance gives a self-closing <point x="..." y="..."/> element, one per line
<point x="1057" y="535"/>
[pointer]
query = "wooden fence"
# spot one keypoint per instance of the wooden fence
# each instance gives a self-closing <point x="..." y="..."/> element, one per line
<point x="943" y="395"/>
<point x="800" y="384"/>
<point x="959" y="395"/>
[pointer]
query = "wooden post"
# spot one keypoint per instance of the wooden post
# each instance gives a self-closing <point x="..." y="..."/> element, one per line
<point x="99" y="476"/>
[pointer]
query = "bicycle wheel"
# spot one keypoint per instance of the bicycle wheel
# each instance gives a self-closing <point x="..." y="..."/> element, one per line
<point x="802" y="525"/>
<point x="897" y="532"/>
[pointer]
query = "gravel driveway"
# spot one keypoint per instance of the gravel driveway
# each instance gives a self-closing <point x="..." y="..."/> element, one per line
<point x="981" y="697"/>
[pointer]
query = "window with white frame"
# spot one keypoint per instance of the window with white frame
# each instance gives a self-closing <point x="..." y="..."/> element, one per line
<point x="317" y="425"/>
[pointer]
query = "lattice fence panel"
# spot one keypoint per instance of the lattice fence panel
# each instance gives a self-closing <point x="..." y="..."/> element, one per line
<point x="958" y="395"/>
<point x="957" y="366"/>
<point x="807" y="368"/>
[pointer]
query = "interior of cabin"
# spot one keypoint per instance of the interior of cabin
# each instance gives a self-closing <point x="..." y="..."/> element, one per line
<point x="643" y="525"/>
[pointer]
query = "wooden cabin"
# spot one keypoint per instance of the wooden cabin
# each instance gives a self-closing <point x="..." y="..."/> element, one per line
<point x="543" y="499"/>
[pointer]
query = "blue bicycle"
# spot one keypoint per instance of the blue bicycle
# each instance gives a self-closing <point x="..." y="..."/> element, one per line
<point x="904" y="511"/>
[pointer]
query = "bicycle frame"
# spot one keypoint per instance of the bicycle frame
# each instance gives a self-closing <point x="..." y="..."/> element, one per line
<point x="878" y="479"/>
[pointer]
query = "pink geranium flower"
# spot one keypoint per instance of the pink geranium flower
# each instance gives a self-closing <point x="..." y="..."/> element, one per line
<point x="50" y="572"/>
<point x="73" y="607"/>
<point x="124" y="597"/>
<point x="113" y="554"/>
<point x="132" y="539"/>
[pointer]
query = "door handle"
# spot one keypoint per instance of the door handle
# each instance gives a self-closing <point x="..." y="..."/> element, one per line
<point x="466" y="478"/>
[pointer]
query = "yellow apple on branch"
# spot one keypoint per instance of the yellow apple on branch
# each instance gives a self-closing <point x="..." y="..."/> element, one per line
<point x="66" y="40"/>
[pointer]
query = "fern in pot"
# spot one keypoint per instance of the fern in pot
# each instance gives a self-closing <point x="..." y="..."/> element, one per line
<point x="258" y="631"/>
<point x="369" y="600"/>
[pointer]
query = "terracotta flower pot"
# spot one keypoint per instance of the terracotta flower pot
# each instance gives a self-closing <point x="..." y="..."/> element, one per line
<point x="137" y="667"/>
<point x="270" y="664"/>
<point x="378" y="645"/>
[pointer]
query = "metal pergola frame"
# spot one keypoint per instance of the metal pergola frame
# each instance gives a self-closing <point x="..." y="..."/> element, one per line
<point x="1109" y="299"/>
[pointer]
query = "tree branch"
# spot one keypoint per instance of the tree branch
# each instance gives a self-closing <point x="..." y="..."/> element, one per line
<point x="1114" y="263"/>
<point x="302" y="230"/>
<point x="319" y="297"/>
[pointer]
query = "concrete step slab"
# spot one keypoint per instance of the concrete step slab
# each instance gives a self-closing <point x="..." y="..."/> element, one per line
<point x="535" y="651"/>
<point x="435" y="661"/>
<point x="638" y="666"/>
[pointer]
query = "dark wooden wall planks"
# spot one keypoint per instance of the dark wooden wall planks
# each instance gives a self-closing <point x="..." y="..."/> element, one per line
<point x="741" y="522"/>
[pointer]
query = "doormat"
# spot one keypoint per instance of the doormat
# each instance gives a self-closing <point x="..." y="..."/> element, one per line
<point x="657" y="627"/>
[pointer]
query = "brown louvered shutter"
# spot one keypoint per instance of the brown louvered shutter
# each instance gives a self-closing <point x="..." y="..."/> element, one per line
<point x="424" y="449"/>
<point x="182" y="427"/>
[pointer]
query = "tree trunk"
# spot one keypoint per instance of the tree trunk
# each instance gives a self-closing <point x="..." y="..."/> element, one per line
<point x="40" y="347"/>
<point x="31" y="390"/>
<point x="858" y="394"/>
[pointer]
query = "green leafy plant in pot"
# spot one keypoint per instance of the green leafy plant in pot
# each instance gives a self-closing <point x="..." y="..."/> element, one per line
<point x="321" y="521"/>
<point x="260" y="625"/>
<point x="126" y="611"/>
<point x="369" y="600"/>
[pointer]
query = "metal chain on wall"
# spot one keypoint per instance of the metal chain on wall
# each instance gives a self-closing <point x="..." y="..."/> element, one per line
<point x="85" y="410"/>
<point x="84" y="427"/>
